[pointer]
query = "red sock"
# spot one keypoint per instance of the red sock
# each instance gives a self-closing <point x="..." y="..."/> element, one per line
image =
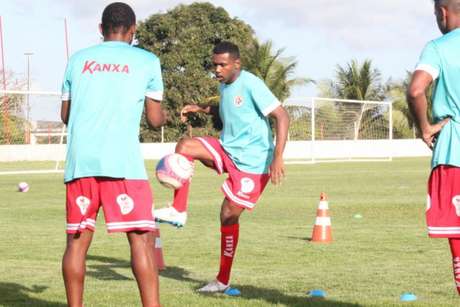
<point x="455" y="250"/>
<point x="228" y="243"/>
<point x="180" y="202"/>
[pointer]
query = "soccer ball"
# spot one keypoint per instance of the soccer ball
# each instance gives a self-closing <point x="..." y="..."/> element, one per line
<point x="23" y="187"/>
<point x="174" y="170"/>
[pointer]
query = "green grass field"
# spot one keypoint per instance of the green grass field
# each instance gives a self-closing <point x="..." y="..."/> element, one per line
<point x="371" y="262"/>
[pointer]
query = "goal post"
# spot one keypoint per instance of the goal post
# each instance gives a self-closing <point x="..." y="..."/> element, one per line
<point x="30" y="126"/>
<point x="321" y="130"/>
<point x="328" y="129"/>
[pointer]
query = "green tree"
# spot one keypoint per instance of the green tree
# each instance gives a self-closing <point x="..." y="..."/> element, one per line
<point x="12" y="130"/>
<point x="276" y="71"/>
<point x="12" y="111"/>
<point x="183" y="38"/>
<point x="403" y="125"/>
<point x="358" y="82"/>
<point x="403" y="122"/>
<point x="355" y="81"/>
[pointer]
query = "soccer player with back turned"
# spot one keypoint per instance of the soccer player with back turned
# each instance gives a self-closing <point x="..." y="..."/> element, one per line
<point x="440" y="64"/>
<point x="245" y="151"/>
<point x="105" y="90"/>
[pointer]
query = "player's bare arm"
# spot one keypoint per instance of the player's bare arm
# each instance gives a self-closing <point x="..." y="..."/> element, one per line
<point x="65" y="111"/>
<point x="416" y="96"/>
<point x="282" y="124"/>
<point x="155" y="115"/>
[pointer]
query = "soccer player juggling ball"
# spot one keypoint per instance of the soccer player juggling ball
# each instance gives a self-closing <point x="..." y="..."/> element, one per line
<point x="440" y="64"/>
<point x="105" y="90"/>
<point x="245" y="151"/>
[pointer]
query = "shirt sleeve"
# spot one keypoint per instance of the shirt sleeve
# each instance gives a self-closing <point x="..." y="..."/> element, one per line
<point x="67" y="83"/>
<point x="155" y="84"/>
<point x="264" y="99"/>
<point x="430" y="61"/>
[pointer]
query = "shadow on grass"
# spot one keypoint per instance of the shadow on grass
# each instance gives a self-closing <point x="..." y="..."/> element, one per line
<point x="105" y="271"/>
<point x="12" y="294"/>
<point x="274" y="296"/>
<point x="177" y="273"/>
<point x="308" y="239"/>
<point x="248" y="292"/>
<point x="105" y="268"/>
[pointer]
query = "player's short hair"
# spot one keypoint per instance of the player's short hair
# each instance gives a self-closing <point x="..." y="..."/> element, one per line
<point x="117" y="17"/>
<point x="440" y="2"/>
<point x="227" y="47"/>
<point x="454" y="5"/>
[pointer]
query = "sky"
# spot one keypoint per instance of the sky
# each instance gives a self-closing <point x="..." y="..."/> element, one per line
<point x="319" y="34"/>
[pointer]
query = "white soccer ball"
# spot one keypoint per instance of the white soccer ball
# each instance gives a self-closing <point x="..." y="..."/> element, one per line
<point x="23" y="187"/>
<point x="174" y="170"/>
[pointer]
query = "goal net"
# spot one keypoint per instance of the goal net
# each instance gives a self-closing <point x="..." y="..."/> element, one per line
<point x="30" y="126"/>
<point x="325" y="129"/>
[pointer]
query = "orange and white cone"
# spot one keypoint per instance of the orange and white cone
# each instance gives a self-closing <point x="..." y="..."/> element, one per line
<point x="158" y="251"/>
<point x="322" y="232"/>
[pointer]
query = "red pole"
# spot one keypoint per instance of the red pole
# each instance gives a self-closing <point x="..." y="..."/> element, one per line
<point x="5" y="98"/>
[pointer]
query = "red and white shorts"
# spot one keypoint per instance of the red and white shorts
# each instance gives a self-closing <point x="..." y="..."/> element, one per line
<point x="241" y="188"/>
<point x="127" y="204"/>
<point x="443" y="202"/>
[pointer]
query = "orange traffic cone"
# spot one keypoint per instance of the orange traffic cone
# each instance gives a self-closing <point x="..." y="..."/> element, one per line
<point x="158" y="251"/>
<point x="322" y="232"/>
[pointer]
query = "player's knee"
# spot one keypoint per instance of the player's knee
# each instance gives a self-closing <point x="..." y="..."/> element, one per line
<point x="184" y="146"/>
<point x="229" y="217"/>
<point x="140" y="239"/>
<point x="229" y="220"/>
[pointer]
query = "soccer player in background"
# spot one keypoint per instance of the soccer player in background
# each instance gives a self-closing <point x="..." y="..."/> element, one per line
<point x="105" y="90"/>
<point x="245" y="151"/>
<point x="439" y="64"/>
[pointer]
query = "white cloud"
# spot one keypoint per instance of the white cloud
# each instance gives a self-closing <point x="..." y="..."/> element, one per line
<point x="320" y="33"/>
<point x="358" y="24"/>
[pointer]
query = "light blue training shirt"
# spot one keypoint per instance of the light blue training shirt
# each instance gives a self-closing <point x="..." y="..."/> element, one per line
<point x="246" y="135"/>
<point x="107" y="85"/>
<point x="441" y="59"/>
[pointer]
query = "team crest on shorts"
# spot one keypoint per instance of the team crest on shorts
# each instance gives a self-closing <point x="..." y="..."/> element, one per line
<point x="238" y="101"/>
<point x="247" y="185"/>
<point x="125" y="203"/>
<point x="456" y="203"/>
<point x="83" y="203"/>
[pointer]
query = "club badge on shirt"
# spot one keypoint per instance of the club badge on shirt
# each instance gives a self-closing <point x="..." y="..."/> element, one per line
<point x="238" y="101"/>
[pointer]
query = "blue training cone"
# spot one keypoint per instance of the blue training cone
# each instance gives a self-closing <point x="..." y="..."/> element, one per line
<point x="232" y="291"/>
<point x="316" y="293"/>
<point x="408" y="297"/>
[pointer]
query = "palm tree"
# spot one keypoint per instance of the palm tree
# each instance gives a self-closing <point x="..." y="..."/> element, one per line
<point x="358" y="82"/>
<point x="275" y="70"/>
<point x="403" y="122"/>
<point x="354" y="81"/>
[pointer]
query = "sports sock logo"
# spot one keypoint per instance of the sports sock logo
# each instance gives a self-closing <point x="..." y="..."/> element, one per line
<point x="456" y="262"/>
<point x="92" y="67"/>
<point x="228" y="251"/>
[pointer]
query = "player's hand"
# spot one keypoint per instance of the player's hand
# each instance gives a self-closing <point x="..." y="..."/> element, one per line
<point x="429" y="133"/>
<point x="277" y="170"/>
<point x="191" y="108"/>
